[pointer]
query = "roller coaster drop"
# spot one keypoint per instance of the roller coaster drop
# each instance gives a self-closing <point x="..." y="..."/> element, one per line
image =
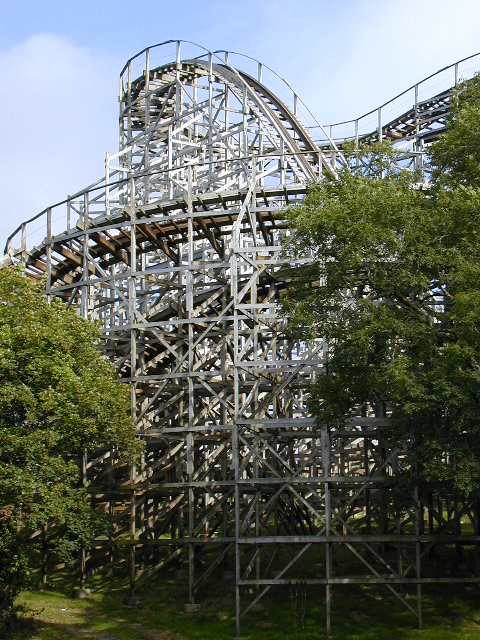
<point x="176" y="251"/>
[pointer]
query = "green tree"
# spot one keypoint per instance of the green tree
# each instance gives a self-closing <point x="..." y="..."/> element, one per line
<point x="58" y="396"/>
<point x="456" y="154"/>
<point x="394" y="287"/>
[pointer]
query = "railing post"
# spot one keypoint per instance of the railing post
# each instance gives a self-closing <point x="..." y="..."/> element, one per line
<point x="69" y="213"/>
<point x="418" y="163"/>
<point x="178" y="57"/>
<point x="107" y="183"/>
<point x="49" y="254"/>
<point x="356" y="145"/>
<point x="24" y="242"/>
<point x="333" y="157"/>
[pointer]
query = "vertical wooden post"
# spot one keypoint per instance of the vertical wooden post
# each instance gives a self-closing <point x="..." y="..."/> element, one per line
<point x="476" y="529"/>
<point x="132" y="565"/>
<point x="86" y="276"/>
<point x="146" y="161"/>
<point x="325" y="437"/>
<point x="191" y="396"/>
<point x="83" y="563"/>
<point x="418" y="556"/>
<point x="44" y="554"/>
<point x="132" y="307"/>
<point x="235" y="447"/>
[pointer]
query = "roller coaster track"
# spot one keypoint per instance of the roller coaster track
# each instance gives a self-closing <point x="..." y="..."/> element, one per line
<point x="424" y="121"/>
<point x="413" y="128"/>
<point x="176" y="252"/>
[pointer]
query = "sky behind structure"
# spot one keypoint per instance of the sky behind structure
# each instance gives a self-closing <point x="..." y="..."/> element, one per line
<point x="60" y="62"/>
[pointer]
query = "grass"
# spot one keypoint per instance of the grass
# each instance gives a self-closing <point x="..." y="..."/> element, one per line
<point x="358" y="613"/>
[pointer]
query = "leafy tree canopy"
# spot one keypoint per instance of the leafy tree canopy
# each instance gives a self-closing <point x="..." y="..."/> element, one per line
<point x="394" y="288"/>
<point x="58" y="396"/>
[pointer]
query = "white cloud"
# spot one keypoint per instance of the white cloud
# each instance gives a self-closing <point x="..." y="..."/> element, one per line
<point x="58" y="105"/>
<point x="59" y="115"/>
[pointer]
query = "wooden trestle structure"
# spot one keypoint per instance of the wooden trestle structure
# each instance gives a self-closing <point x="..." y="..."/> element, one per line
<point x="176" y="251"/>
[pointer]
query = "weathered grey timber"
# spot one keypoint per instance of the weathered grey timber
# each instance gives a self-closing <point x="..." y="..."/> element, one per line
<point x="176" y="252"/>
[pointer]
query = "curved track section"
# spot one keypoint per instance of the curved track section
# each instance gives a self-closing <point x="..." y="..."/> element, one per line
<point x="176" y="252"/>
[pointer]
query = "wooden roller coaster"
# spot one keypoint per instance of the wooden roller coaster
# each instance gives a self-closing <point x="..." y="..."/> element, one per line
<point x="176" y="252"/>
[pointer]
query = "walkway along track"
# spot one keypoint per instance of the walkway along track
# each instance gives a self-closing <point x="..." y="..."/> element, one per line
<point x="176" y="251"/>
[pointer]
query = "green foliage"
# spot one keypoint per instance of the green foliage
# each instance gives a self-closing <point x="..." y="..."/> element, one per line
<point x="456" y="155"/>
<point x="58" y="397"/>
<point x="13" y="567"/>
<point x="395" y="289"/>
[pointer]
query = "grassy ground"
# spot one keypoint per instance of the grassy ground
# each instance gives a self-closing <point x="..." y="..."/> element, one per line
<point x="450" y="613"/>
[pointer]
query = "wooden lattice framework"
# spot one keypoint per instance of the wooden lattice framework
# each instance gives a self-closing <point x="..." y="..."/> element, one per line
<point x="176" y="251"/>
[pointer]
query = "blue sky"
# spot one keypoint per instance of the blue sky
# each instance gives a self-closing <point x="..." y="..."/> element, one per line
<point x="60" y="60"/>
